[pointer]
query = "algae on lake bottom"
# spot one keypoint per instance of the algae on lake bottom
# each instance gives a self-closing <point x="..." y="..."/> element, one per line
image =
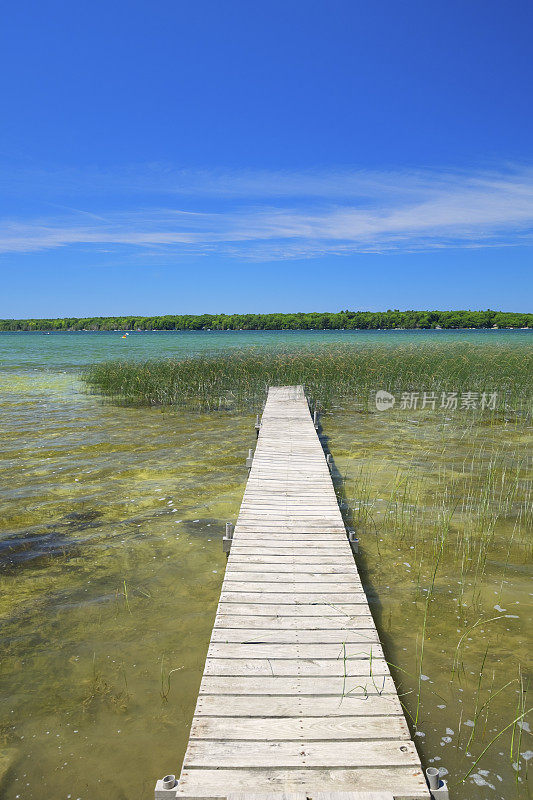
<point x="112" y="564"/>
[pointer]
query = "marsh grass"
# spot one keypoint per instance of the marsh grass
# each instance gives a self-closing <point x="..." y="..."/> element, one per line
<point x="453" y="498"/>
<point x="240" y="380"/>
<point x="466" y="510"/>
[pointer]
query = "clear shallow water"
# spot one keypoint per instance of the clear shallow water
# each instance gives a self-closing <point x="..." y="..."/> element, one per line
<point x="443" y="510"/>
<point x="111" y="568"/>
<point x="111" y="565"/>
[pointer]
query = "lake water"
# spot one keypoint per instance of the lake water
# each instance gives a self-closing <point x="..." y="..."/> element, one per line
<point x="111" y="565"/>
<point x="69" y="351"/>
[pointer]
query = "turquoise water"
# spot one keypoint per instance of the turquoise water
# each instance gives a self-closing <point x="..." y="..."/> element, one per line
<point x="61" y="351"/>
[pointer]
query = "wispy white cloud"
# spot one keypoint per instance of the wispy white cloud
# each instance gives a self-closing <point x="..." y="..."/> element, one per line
<point x="275" y="215"/>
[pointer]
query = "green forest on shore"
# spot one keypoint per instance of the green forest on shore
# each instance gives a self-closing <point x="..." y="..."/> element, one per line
<point x="340" y="320"/>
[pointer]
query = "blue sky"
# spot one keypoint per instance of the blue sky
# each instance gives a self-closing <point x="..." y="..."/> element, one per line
<point x="188" y="157"/>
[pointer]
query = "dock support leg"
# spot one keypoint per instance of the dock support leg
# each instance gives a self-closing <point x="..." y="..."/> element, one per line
<point x="166" y="788"/>
<point x="354" y="541"/>
<point x="250" y="459"/>
<point x="228" y="537"/>
<point x="438" y="788"/>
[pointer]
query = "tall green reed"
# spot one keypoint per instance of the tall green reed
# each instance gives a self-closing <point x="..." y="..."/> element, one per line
<point x="330" y="374"/>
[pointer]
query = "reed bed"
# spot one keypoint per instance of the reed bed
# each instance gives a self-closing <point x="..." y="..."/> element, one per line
<point x="330" y="374"/>
<point x="471" y="511"/>
<point x="448" y="529"/>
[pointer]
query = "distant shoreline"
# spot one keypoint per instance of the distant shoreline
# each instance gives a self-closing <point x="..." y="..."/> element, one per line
<point x="313" y="321"/>
<point x="271" y="330"/>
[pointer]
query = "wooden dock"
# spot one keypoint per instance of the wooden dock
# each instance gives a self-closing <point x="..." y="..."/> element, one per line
<point x="296" y="700"/>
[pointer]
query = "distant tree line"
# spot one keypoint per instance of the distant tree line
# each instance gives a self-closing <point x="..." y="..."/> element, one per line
<point x="341" y="320"/>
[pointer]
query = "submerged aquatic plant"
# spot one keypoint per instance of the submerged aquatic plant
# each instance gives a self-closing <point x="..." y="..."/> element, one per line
<point x="165" y="679"/>
<point x="101" y="690"/>
<point x="442" y="505"/>
<point x="329" y="374"/>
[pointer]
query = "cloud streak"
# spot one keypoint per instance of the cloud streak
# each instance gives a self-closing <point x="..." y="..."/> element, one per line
<point x="274" y="215"/>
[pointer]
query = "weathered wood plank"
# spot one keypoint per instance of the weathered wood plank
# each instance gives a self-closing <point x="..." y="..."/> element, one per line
<point x="266" y="529"/>
<point x="314" y="667"/>
<point x="267" y="796"/>
<point x="359" y="650"/>
<point x="301" y="706"/>
<point x="315" y="608"/>
<point x="278" y="686"/>
<point x="373" y="753"/>
<point x="314" y="636"/>
<point x="290" y="598"/>
<point x="298" y="729"/>
<point x="263" y="546"/>
<point x="341" y="579"/>
<point x="302" y="560"/>
<point x="292" y="623"/>
<point x="405" y="783"/>
<point x="297" y="559"/>
<point x="352" y="796"/>
<point x="324" y="587"/>
<point x="322" y="541"/>
<point x="309" y="570"/>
